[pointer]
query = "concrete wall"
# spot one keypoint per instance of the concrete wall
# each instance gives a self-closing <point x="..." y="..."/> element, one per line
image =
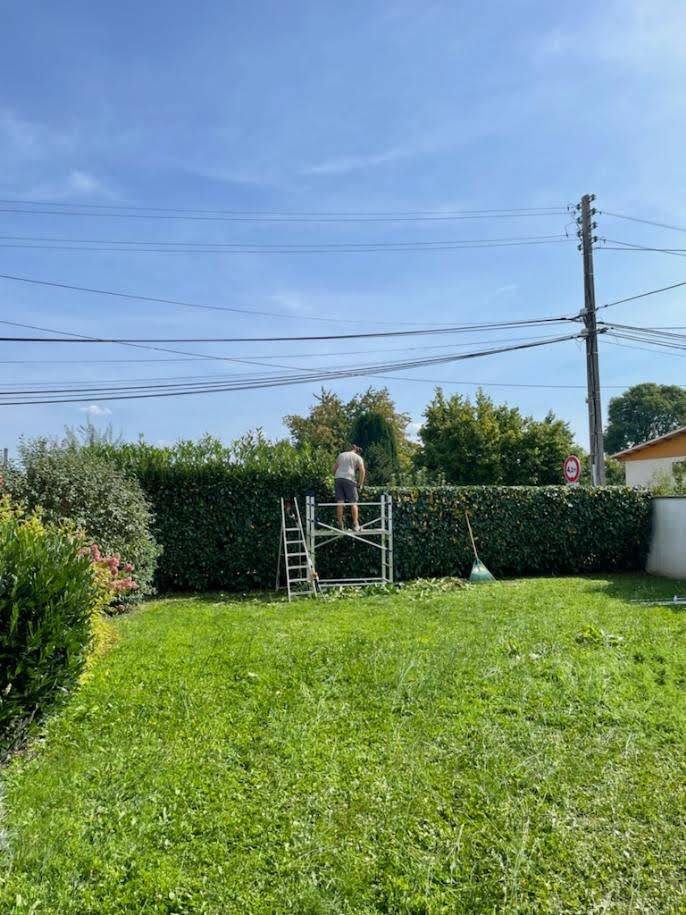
<point x="668" y="544"/>
<point x="643" y="473"/>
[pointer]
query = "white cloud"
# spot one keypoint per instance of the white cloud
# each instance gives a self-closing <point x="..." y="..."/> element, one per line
<point x="413" y="431"/>
<point x="82" y="181"/>
<point x="95" y="409"/>
<point x="345" y="164"/>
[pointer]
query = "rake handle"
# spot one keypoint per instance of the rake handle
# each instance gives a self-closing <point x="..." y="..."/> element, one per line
<point x="471" y="537"/>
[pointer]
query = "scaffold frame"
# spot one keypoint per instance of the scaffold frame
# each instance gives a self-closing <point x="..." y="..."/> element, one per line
<point x="376" y="533"/>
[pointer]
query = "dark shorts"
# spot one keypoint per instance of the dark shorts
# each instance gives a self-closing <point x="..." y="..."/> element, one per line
<point x="346" y="490"/>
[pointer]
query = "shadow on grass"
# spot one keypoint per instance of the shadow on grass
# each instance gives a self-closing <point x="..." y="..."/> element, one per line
<point x="640" y="586"/>
<point x="625" y="587"/>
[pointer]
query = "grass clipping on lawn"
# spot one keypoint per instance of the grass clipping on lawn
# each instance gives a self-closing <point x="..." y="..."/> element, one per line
<point x="516" y="747"/>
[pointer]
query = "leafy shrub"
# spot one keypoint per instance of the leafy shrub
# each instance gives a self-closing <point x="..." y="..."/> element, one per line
<point x="47" y="595"/>
<point x="80" y="485"/>
<point x="218" y="519"/>
<point x="220" y="528"/>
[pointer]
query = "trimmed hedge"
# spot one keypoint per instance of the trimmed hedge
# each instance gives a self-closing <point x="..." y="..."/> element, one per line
<point x="219" y="526"/>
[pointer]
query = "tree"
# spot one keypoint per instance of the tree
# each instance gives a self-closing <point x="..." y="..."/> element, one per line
<point x="373" y="432"/>
<point x="329" y="422"/>
<point x="485" y="443"/>
<point x="326" y="427"/>
<point x="643" y="412"/>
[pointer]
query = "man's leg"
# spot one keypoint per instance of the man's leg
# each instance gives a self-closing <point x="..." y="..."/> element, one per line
<point x="339" y="495"/>
<point x="355" y="513"/>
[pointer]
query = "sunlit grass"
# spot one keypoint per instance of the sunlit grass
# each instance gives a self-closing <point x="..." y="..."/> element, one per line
<point x="517" y="747"/>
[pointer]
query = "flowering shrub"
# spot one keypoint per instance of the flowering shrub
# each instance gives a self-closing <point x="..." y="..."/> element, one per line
<point x="112" y="578"/>
<point x="66" y="482"/>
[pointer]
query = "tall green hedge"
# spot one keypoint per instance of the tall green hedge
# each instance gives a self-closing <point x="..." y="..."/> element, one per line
<point x="219" y="526"/>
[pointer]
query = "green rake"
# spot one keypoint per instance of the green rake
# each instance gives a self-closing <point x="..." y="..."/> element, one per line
<point x="479" y="573"/>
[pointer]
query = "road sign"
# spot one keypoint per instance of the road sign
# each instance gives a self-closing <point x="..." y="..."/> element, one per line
<point x="572" y="470"/>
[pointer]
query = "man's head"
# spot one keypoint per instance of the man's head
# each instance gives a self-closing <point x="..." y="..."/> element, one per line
<point x="356" y="449"/>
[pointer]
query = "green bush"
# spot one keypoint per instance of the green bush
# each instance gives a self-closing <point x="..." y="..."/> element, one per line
<point x="220" y="528"/>
<point x="520" y="530"/>
<point x="78" y="484"/>
<point x="47" y="595"/>
<point x="217" y="517"/>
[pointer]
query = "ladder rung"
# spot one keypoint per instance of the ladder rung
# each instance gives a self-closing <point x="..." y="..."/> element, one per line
<point x="292" y="528"/>
<point x="296" y="580"/>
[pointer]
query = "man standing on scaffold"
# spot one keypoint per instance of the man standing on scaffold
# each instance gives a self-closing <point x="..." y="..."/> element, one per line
<point x="349" y="473"/>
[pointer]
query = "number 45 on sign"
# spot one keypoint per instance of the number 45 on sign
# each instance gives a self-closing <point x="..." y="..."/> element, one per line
<point x="572" y="470"/>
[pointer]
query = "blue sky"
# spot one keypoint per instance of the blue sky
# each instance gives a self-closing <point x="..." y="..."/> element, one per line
<point x="321" y="107"/>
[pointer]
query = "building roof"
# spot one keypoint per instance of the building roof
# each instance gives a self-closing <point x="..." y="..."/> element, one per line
<point x="651" y="443"/>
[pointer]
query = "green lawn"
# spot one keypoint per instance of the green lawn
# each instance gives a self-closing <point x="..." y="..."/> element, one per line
<point x="517" y="747"/>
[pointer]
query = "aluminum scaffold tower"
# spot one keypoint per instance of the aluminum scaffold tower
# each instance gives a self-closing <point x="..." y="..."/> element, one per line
<point x="376" y="533"/>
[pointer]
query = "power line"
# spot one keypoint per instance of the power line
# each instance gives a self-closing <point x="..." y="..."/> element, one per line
<point x="80" y="338"/>
<point x="305" y="249"/>
<point x="642" y="295"/>
<point x="668" y="332"/>
<point x="355" y="371"/>
<point x="643" y="349"/>
<point x="171" y="213"/>
<point x="270" y="356"/>
<point x="631" y="246"/>
<point x="183" y="304"/>
<point x="648" y="222"/>
<point x="288" y="246"/>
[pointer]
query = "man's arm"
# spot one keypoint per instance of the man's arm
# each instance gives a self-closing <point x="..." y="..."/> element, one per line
<point x="335" y="468"/>
<point x="361" y="473"/>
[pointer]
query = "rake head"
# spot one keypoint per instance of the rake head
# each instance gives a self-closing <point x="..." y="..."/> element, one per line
<point x="480" y="573"/>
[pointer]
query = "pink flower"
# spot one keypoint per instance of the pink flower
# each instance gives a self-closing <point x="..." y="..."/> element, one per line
<point x="95" y="553"/>
<point x="128" y="567"/>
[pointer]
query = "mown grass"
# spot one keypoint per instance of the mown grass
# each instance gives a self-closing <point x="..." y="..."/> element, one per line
<point x="517" y="747"/>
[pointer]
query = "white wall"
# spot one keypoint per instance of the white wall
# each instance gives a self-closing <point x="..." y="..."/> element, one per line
<point x="642" y="473"/>
<point x="668" y="543"/>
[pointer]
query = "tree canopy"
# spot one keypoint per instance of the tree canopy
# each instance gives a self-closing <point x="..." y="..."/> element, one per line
<point x="643" y="412"/>
<point x="373" y="432"/>
<point x="482" y="442"/>
<point x="329" y="423"/>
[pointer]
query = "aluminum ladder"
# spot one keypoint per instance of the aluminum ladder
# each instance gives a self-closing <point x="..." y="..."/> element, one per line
<point x="301" y="578"/>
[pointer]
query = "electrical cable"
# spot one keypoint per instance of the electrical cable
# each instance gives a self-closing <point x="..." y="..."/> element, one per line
<point x="184" y="304"/>
<point x="641" y="295"/>
<point x="648" y="222"/>
<point x="288" y="246"/>
<point x="329" y="355"/>
<point x="631" y="246"/>
<point x="328" y="375"/>
<point x="138" y="212"/>
<point x="643" y="349"/>
<point x="80" y="338"/>
<point x="255" y="249"/>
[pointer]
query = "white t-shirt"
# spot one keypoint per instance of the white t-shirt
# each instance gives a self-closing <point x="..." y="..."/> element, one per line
<point x="348" y="462"/>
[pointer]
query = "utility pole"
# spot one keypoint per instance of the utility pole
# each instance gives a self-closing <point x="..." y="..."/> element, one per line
<point x="595" y="416"/>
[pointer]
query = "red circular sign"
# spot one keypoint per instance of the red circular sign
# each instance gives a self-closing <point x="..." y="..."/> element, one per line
<point x="572" y="469"/>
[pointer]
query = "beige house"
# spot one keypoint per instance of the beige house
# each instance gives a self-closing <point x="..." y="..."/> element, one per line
<point x="648" y="462"/>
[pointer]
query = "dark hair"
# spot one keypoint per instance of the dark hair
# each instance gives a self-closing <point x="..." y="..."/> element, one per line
<point x="356" y="448"/>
